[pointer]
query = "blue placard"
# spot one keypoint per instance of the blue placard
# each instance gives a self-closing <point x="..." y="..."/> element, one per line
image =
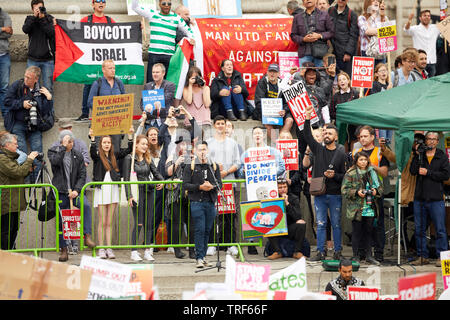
<point x="152" y="99"/>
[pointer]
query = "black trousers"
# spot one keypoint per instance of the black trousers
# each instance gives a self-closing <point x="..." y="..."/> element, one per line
<point x="10" y="227"/>
<point x="296" y="232"/>
<point x="361" y="236"/>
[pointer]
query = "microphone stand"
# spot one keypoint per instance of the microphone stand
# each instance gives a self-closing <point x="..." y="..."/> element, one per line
<point x="216" y="186"/>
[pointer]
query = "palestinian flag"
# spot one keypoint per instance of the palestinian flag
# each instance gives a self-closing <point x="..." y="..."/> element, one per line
<point x="179" y="66"/>
<point x="82" y="47"/>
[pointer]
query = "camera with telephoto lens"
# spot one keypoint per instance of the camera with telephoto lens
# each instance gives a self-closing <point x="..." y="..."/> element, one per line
<point x="43" y="10"/>
<point x="368" y="196"/>
<point x="199" y="81"/>
<point x="419" y="140"/>
<point x="32" y="119"/>
<point x="40" y="156"/>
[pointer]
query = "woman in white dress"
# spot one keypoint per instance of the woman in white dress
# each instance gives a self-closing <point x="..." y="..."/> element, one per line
<point x="106" y="198"/>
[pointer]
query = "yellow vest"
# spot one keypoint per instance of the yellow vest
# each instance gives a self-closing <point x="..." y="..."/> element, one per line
<point x="375" y="158"/>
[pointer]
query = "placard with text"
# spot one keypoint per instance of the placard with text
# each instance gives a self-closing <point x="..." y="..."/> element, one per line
<point x="298" y="100"/>
<point x="112" y="114"/>
<point x="387" y="37"/>
<point x="362" y="72"/>
<point x="289" y="150"/>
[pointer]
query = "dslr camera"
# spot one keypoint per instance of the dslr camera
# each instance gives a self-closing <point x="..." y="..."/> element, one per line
<point x="32" y="119"/>
<point x="40" y="156"/>
<point x="419" y="140"/>
<point x="368" y="196"/>
<point x="199" y="81"/>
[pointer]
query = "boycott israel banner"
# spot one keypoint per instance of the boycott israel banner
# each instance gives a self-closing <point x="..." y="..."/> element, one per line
<point x="362" y="72"/>
<point x="82" y="47"/>
<point x="289" y="149"/>
<point x="387" y="37"/>
<point x="298" y="99"/>
<point x="112" y="114"/>
<point x="252" y="45"/>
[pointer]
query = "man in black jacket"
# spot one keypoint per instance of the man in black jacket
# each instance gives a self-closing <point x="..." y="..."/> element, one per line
<point x="432" y="168"/>
<point x="229" y="93"/>
<point x="345" y="40"/>
<point x="41" y="41"/>
<point x="295" y="222"/>
<point x="69" y="176"/>
<point x="202" y="180"/>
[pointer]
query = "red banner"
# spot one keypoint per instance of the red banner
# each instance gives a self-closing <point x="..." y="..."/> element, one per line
<point x="363" y="293"/>
<point x="252" y="45"/>
<point x="289" y="150"/>
<point x="417" y="287"/>
<point x="71" y="224"/>
<point x="228" y="204"/>
<point x="362" y="72"/>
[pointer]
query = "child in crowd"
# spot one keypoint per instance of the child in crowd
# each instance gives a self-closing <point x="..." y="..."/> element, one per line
<point x="106" y="198"/>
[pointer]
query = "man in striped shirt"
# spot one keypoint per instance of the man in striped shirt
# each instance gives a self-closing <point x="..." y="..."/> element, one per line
<point x="163" y="28"/>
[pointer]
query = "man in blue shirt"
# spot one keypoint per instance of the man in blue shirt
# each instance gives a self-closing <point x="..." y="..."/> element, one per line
<point x="404" y="74"/>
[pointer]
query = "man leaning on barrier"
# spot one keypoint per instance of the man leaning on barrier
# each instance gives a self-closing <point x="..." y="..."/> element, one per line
<point x="69" y="177"/>
<point x="13" y="200"/>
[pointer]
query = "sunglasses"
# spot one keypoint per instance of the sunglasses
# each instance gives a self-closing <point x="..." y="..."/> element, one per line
<point x="168" y="4"/>
<point x="98" y="1"/>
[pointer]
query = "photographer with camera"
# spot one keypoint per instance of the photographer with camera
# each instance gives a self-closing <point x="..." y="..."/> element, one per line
<point x="28" y="106"/>
<point x="197" y="96"/>
<point x="41" y="41"/>
<point x="12" y="200"/>
<point x="360" y="187"/>
<point x="431" y="166"/>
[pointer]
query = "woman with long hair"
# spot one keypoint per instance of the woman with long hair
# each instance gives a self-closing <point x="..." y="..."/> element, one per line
<point x="106" y="198"/>
<point x="361" y="186"/>
<point x="143" y="206"/>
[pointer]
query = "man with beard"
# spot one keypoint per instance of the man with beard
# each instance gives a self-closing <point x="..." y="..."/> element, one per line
<point x="329" y="162"/>
<point x="421" y="64"/>
<point x="338" y="286"/>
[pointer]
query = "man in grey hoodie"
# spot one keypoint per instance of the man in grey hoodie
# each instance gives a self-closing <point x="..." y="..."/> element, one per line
<point x="6" y="32"/>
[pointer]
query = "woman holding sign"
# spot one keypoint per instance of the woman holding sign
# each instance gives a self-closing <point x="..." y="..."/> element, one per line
<point x="360" y="187"/>
<point x="143" y="206"/>
<point x="106" y="198"/>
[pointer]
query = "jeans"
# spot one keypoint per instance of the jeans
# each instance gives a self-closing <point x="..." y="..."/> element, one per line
<point x="344" y="66"/>
<point x="322" y="204"/>
<point x="87" y="218"/>
<point x="35" y="139"/>
<point x="361" y="236"/>
<point x="423" y="210"/>
<point x="318" y="62"/>
<point x="47" y="68"/>
<point x="234" y="100"/>
<point x="379" y="233"/>
<point x="5" y="67"/>
<point x="143" y="215"/>
<point x="431" y="69"/>
<point x="203" y="214"/>
<point x="157" y="58"/>
<point x="387" y="134"/>
<point x="84" y="105"/>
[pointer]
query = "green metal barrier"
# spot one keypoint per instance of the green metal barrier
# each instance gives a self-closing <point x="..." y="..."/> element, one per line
<point x="130" y="220"/>
<point x="29" y="245"/>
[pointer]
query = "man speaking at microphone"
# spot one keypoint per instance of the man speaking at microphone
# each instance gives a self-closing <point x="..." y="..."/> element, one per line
<point x="202" y="180"/>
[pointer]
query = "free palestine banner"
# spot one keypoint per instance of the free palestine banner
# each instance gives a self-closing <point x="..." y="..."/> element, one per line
<point x="82" y="47"/>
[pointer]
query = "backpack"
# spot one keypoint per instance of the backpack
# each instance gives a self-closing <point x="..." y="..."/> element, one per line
<point x="91" y="17"/>
<point x="349" y="15"/>
<point x="287" y="247"/>
<point x="99" y="84"/>
<point x="395" y="82"/>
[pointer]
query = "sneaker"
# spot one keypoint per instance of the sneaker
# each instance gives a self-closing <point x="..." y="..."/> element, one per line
<point x="420" y="261"/>
<point x="102" y="254"/>
<point x="148" y="254"/>
<point x="275" y="255"/>
<point x="199" y="264"/>
<point x="233" y="251"/>
<point x="191" y="253"/>
<point x="252" y="250"/>
<point x="110" y="253"/>
<point x="206" y="263"/>
<point x="211" y="251"/>
<point x="337" y="255"/>
<point x="170" y="250"/>
<point x="83" y="117"/>
<point x="319" y="257"/>
<point x="135" y="256"/>
<point x="74" y="250"/>
<point x="438" y="263"/>
<point x="372" y="261"/>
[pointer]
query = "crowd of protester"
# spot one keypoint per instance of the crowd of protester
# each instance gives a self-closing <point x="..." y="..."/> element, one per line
<point x="328" y="37"/>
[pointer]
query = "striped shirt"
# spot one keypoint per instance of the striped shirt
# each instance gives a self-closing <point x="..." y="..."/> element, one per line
<point x="163" y="29"/>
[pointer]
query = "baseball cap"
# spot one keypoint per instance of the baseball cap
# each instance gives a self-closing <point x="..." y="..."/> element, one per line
<point x="274" y="67"/>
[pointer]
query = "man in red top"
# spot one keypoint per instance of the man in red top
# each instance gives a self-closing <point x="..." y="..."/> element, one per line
<point x="98" y="17"/>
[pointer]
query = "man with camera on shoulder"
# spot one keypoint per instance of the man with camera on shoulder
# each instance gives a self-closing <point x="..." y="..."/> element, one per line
<point x="27" y="105"/>
<point x="41" y="44"/>
<point x="432" y="168"/>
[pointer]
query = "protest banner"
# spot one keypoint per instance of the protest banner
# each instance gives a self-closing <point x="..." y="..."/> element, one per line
<point x="153" y="99"/>
<point x="112" y="114"/>
<point x="290" y="280"/>
<point x="228" y="204"/>
<point x="82" y="47"/>
<point x="362" y="72"/>
<point x="417" y="287"/>
<point x="146" y="4"/>
<point x="251" y="44"/>
<point x="24" y="277"/>
<point x="71" y="222"/>
<point x="214" y="8"/>
<point x="298" y="100"/>
<point x="445" y="265"/>
<point x="260" y="174"/>
<point x="252" y="281"/>
<point x="289" y="149"/>
<point x="263" y="218"/>
<point x="270" y="109"/>
<point x="363" y="293"/>
<point x="109" y="279"/>
<point x="141" y="281"/>
<point x="387" y="37"/>
<point x="286" y="61"/>
<point x="444" y="28"/>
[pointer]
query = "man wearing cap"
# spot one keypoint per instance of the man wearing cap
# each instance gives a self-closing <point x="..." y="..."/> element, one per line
<point x="269" y="87"/>
<point x="69" y="177"/>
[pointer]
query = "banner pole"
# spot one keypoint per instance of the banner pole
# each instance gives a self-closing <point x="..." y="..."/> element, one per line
<point x="361" y="92"/>
<point x="144" y="30"/>
<point x="389" y="66"/>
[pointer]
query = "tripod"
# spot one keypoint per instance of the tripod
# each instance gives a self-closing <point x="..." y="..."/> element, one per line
<point x="217" y="220"/>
